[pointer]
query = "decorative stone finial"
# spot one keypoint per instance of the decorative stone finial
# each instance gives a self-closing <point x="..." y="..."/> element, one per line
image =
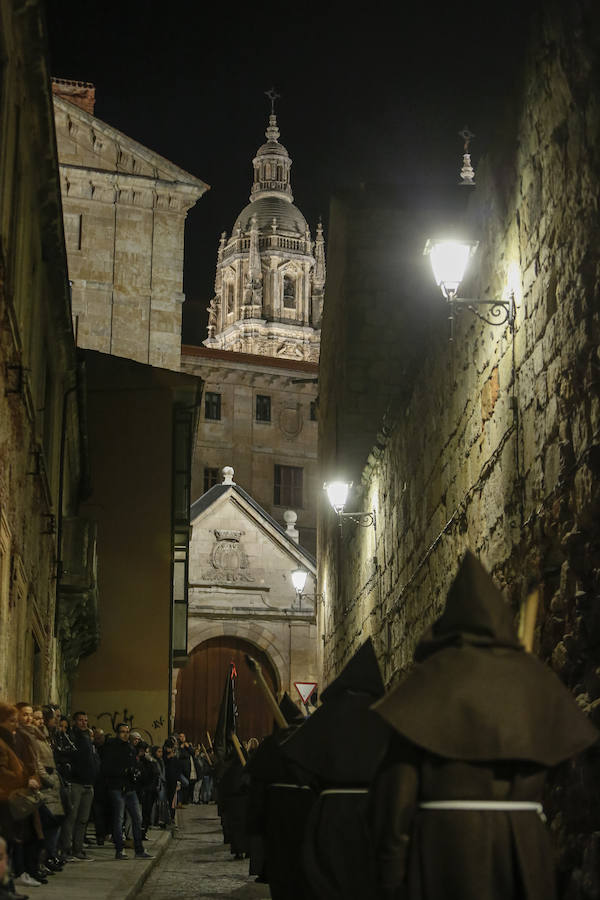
<point x="290" y="518"/>
<point x="227" y="475"/>
<point x="467" y="173"/>
<point x="272" y="132"/>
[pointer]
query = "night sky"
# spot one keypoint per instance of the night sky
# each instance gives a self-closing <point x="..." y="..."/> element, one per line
<point x="376" y="96"/>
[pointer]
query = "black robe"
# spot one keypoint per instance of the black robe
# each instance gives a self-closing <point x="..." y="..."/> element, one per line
<point x="341" y="746"/>
<point x="278" y="804"/>
<point x="477" y="720"/>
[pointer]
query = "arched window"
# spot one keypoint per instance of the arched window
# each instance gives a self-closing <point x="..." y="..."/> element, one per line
<point x="229" y="297"/>
<point x="289" y="292"/>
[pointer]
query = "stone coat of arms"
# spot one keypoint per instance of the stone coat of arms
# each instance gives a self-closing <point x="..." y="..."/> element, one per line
<point x="228" y="559"/>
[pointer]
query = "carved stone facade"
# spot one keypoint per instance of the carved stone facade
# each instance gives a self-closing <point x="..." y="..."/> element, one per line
<point x="124" y="214"/>
<point x="240" y="566"/>
<point x="270" y="278"/>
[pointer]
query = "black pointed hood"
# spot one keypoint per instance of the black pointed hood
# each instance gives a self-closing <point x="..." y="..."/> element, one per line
<point x="291" y="713"/>
<point x="475" y="613"/>
<point x="343" y="742"/>
<point x="361" y="674"/>
<point x="476" y="694"/>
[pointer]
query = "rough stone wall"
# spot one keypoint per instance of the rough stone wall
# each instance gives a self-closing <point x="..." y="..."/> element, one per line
<point x="492" y="442"/>
<point x="40" y="451"/>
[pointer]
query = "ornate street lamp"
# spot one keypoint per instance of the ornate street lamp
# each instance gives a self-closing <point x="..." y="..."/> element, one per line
<point x="449" y="259"/>
<point x="337" y="493"/>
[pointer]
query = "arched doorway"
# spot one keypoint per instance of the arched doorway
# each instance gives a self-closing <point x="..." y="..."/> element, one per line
<point x="200" y="688"/>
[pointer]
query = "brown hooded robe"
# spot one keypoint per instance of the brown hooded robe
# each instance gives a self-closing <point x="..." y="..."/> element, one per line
<point x="477" y="719"/>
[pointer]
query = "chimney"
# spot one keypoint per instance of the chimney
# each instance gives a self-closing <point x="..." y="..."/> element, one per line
<point x="81" y="93"/>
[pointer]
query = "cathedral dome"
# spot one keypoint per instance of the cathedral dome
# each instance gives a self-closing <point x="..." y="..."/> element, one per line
<point x="272" y="148"/>
<point x="289" y="218"/>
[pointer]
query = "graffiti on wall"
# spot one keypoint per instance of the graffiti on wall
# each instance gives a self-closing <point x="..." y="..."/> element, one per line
<point x="128" y="717"/>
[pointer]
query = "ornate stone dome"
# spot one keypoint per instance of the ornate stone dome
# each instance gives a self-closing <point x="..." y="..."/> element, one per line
<point x="288" y="217"/>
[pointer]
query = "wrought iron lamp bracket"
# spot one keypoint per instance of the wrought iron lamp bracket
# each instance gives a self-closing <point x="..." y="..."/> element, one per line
<point x="500" y="311"/>
<point x="364" y="519"/>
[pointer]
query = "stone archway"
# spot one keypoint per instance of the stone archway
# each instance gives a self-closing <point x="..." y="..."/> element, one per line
<point x="200" y="688"/>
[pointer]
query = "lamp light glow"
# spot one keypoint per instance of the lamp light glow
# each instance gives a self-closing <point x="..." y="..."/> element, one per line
<point x="299" y="579"/>
<point x="337" y="493"/>
<point x="449" y="262"/>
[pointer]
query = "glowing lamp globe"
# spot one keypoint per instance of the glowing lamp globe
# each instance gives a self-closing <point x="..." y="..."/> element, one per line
<point x="299" y="579"/>
<point x="449" y="262"/>
<point x="337" y="493"/>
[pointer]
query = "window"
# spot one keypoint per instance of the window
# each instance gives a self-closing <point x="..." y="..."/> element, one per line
<point x="288" y="486"/>
<point x="211" y="477"/>
<point x="313" y="410"/>
<point x="289" y="292"/>
<point x="229" y="295"/>
<point x="263" y="408"/>
<point x="212" y="405"/>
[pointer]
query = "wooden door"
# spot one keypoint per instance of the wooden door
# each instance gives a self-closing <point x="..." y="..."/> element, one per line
<point x="200" y="687"/>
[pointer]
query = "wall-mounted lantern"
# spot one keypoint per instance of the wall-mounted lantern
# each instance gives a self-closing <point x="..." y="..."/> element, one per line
<point x="449" y="259"/>
<point x="337" y="493"/>
<point x="299" y="577"/>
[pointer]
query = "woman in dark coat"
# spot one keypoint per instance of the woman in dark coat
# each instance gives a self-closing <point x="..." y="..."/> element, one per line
<point x="455" y="810"/>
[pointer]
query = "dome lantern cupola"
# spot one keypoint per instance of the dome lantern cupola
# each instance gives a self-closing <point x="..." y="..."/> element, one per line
<point x="272" y="166"/>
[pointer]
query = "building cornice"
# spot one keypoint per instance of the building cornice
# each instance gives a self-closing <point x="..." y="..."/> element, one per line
<point x="152" y="158"/>
<point x="243" y="360"/>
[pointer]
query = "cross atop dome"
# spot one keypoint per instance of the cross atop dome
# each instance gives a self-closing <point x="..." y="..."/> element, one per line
<point x="273" y="96"/>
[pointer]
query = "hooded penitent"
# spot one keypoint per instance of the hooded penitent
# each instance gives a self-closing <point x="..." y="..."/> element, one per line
<point x="476" y="694"/>
<point x="475" y="726"/>
<point x="342" y="742"/>
<point x="341" y="746"/>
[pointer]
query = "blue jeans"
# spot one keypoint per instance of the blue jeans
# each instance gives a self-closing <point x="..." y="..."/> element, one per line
<point x="119" y="800"/>
<point x="206" y="791"/>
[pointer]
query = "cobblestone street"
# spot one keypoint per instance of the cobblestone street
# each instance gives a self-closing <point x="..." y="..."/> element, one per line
<point x="198" y="866"/>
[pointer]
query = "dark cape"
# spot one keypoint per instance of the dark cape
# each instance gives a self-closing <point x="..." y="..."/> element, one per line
<point x="342" y="742"/>
<point x="274" y="814"/>
<point x="341" y="746"/>
<point x="476" y="719"/>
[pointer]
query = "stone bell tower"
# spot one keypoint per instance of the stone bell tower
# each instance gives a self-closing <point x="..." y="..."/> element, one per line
<point x="270" y="273"/>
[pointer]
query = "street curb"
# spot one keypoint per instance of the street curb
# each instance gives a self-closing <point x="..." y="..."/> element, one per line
<point x="124" y="889"/>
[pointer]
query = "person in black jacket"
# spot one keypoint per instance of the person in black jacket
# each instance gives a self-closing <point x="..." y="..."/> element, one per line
<point x="172" y="776"/>
<point x="85" y="765"/>
<point x="121" y="774"/>
<point x="146" y="785"/>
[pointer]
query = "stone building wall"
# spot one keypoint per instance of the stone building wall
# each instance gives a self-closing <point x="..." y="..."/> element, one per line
<point x="254" y="448"/>
<point x="42" y="458"/>
<point x="124" y="215"/>
<point x="490" y="442"/>
<point x="248" y="592"/>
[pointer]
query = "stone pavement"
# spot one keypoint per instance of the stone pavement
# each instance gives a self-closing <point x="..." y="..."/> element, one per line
<point x="105" y="878"/>
<point x="198" y="865"/>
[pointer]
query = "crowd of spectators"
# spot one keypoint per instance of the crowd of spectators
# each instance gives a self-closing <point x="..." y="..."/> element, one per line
<point x="58" y="778"/>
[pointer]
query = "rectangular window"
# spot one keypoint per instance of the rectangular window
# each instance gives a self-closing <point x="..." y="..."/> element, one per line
<point x="211" y="477"/>
<point x="212" y="406"/>
<point x="313" y="410"/>
<point x="263" y="408"/>
<point x="288" y="486"/>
